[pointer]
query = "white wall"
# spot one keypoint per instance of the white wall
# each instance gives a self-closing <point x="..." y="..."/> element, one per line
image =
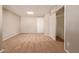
<point x="72" y="28"/>
<point x="28" y="25"/>
<point x="10" y="24"/>
<point x="31" y="25"/>
<point x="46" y="24"/>
<point x="50" y="25"/>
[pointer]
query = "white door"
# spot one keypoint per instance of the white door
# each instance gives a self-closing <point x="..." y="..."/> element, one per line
<point x="40" y="25"/>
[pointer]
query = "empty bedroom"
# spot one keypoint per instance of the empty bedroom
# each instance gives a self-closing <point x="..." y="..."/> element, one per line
<point x="33" y="29"/>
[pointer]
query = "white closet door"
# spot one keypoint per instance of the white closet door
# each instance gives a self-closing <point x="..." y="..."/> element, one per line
<point x="40" y="25"/>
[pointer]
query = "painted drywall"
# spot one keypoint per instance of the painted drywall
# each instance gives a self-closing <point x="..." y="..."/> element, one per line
<point x="31" y="24"/>
<point x="0" y="27"/>
<point x="71" y="28"/>
<point x="50" y="25"/>
<point x="46" y="24"/>
<point x="28" y="25"/>
<point x="60" y="23"/>
<point x="10" y="24"/>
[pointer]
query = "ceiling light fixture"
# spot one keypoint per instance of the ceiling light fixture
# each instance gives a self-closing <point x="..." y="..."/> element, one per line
<point x="30" y="12"/>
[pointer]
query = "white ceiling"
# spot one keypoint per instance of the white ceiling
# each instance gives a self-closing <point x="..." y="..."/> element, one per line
<point x="39" y="10"/>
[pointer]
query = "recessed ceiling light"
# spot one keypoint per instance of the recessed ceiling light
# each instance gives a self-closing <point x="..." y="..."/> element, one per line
<point x="30" y="12"/>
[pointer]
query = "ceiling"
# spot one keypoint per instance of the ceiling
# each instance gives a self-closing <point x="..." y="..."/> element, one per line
<point x="39" y="10"/>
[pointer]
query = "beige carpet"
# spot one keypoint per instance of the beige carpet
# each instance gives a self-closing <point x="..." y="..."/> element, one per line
<point x="32" y="43"/>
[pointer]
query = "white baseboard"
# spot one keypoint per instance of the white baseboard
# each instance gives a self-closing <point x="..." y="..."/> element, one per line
<point x="67" y="51"/>
<point x="2" y="50"/>
<point x="10" y="36"/>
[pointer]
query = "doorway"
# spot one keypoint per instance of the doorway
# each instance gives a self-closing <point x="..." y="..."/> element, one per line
<point x="60" y="24"/>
